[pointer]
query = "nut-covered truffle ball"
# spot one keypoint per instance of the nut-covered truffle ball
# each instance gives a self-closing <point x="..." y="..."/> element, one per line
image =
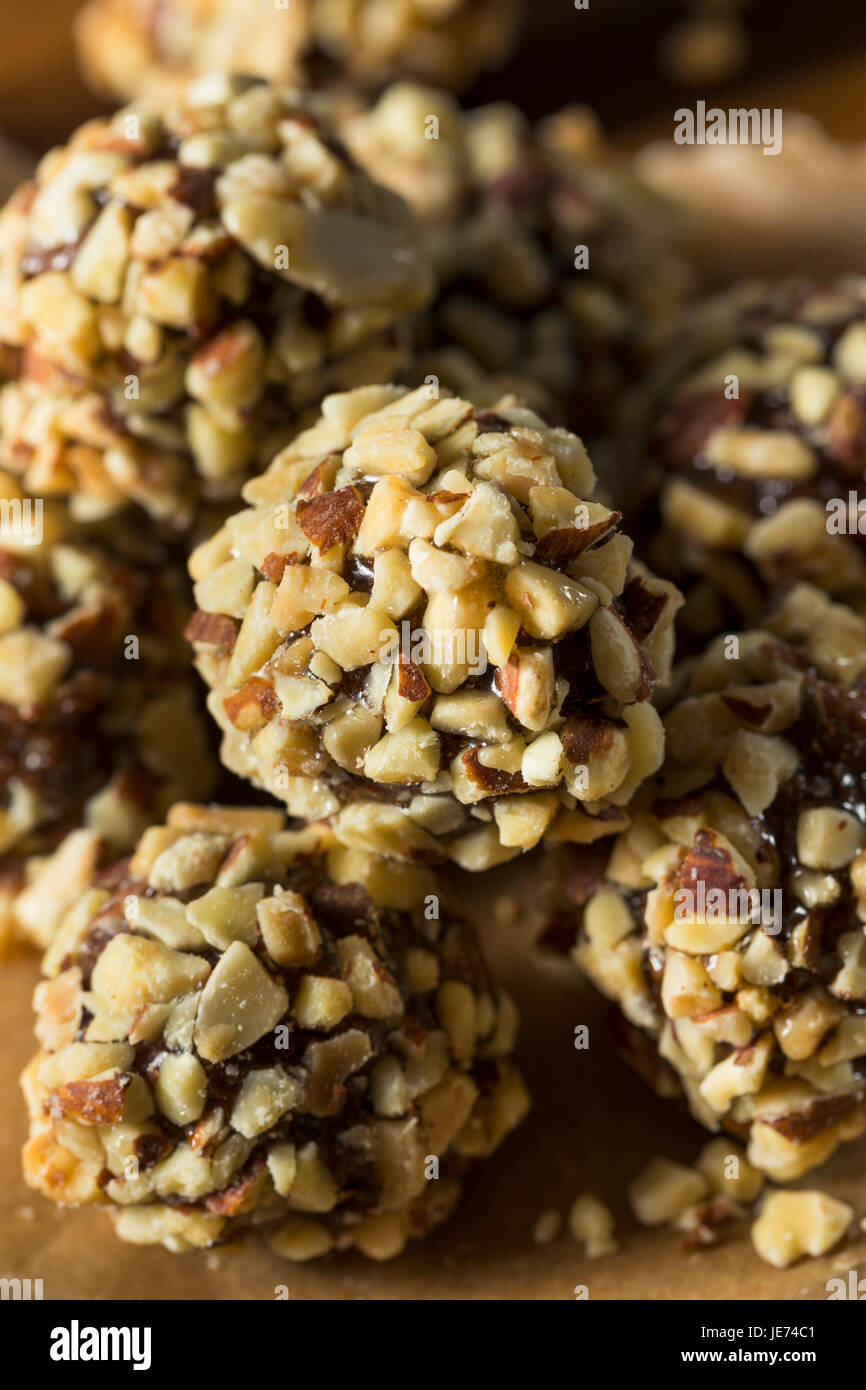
<point x="760" y="452"/>
<point x="230" y="1038"/>
<point x="449" y="42"/>
<point x="181" y="286"/>
<point x="420" y="628"/>
<point x="131" y="47"/>
<point x="557" y="278"/>
<point x="100" y="719"/>
<point x="727" y="921"/>
<point x="134" y="48"/>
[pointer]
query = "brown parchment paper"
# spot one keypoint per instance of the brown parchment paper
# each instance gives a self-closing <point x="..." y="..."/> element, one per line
<point x="593" y="1125"/>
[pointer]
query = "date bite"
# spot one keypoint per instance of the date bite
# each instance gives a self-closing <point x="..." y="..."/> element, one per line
<point x="178" y="285"/>
<point x="236" y="1036"/>
<point x="419" y="629"/>
<point x="727" y="921"/>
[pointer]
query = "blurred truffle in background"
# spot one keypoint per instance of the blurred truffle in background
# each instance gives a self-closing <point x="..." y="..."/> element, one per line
<point x="707" y="46"/>
<point x="129" y="48"/>
<point x="756" y="451"/>
<point x="557" y="280"/>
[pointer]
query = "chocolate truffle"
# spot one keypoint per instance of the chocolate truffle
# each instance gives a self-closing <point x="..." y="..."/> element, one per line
<point x="179" y="286"/>
<point x="758" y="451"/>
<point x="419" y="628"/>
<point x="727" y="920"/>
<point x="101" y="724"/>
<point x="133" y="47"/>
<point x="558" y="281"/>
<point x="231" y="1039"/>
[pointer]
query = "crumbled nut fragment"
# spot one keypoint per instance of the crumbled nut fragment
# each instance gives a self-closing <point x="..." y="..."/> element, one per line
<point x="181" y="1088"/>
<point x="188" y="861"/>
<point x="547" y="1226"/>
<point x="288" y="929"/>
<point x="264" y="1098"/>
<point x="301" y="1240"/>
<point x="373" y="988"/>
<point x="177" y="1230"/>
<point x="793" y="1224"/>
<point x="321" y="1004"/>
<point x="828" y="839"/>
<point x="728" y="1171"/>
<point x="94" y="1102"/>
<point x="591" y="1224"/>
<point x="223" y="915"/>
<point x="133" y="970"/>
<point x="240" y="1003"/>
<point x="663" y="1190"/>
<point x="455" y="1006"/>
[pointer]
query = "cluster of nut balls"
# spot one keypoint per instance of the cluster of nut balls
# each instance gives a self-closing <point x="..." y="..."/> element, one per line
<point x="229" y="451"/>
<point x="291" y="438"/>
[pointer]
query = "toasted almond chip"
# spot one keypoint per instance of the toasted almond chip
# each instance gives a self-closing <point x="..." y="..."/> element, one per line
<point x="240" y="1003"/>
<point x="663" y="1190"/>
